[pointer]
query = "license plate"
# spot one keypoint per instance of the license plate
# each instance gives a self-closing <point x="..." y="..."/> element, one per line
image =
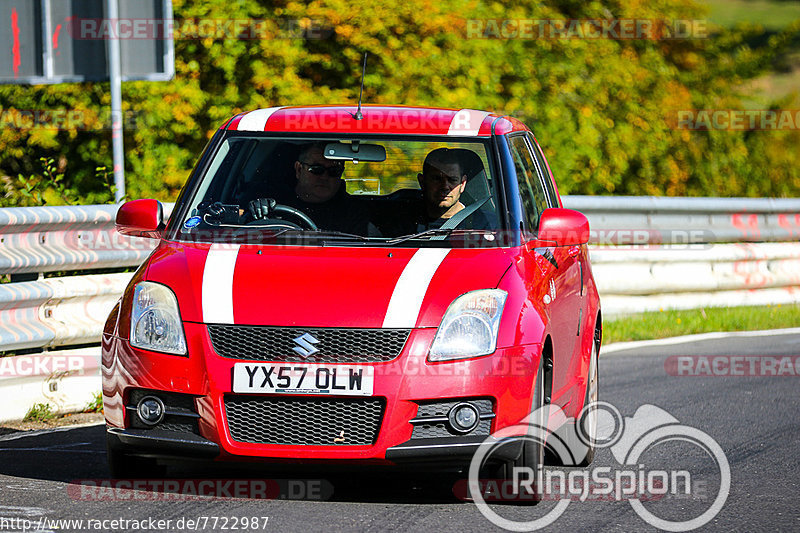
<point x="303" y="379"/>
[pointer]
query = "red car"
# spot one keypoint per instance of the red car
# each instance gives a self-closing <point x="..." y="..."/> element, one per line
<point x="380" y="286"/>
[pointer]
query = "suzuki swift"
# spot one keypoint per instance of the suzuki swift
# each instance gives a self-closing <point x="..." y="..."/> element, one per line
<point x="390" y="285"/>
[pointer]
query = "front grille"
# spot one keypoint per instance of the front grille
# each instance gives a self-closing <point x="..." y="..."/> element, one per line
<point x="305" y="421"/>
<point x="440" y="429"/>
<point x="336" y="345"/>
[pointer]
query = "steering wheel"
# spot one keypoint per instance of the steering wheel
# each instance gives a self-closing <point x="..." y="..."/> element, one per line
<point x="275" y="215"/>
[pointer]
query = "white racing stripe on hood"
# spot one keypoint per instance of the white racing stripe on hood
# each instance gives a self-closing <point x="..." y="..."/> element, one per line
<point x="218" y="283"/>
<point x="256" y="120"/>
<point x="467" y="122"/>
<point x="411" y="287"/>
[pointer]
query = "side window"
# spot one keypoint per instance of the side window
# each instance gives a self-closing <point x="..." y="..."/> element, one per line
<point x="533" y="196"/>
<point x="546" y="179"/>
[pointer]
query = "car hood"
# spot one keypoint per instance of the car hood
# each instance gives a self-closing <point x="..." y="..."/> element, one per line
<point x="360" y="287"/>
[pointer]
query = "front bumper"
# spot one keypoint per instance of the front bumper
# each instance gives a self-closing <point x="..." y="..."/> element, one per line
<point x="506" y="377"/>
<point x="159" y="443"/>
<point x="459" y="450"/>
<point x="168" y="444"/>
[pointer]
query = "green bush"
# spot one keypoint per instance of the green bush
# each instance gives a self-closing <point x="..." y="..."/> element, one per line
<point x="602" y="107"/>
<point x="95" y="405"/>
<point x="40" y="412"/>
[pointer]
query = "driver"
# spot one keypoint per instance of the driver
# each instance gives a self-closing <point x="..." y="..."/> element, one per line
<point x="320" y="193"/>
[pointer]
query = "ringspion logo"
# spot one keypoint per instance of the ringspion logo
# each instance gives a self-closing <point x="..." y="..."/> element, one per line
<point x="633" y="441"/>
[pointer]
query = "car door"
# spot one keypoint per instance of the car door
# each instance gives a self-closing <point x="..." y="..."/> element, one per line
<point x="561" y="281"/>
<point x="579" y="258"/>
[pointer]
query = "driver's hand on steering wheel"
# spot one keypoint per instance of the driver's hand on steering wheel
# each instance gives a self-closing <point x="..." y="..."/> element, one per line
<point x="261" y="208"/>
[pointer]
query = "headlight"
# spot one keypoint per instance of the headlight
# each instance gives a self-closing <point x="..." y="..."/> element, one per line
<point x="155" y="320"/>
<point x="469" y="327"/>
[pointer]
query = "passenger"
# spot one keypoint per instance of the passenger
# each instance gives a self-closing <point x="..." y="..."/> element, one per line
<point x="320" y="193"/>
<point x="443" y="179"/>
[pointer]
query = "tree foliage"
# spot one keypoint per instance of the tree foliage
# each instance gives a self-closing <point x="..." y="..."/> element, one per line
<point x="603" y="108"/>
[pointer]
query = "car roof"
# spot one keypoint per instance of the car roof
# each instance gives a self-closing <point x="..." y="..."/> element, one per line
<point x="377" y="119"/>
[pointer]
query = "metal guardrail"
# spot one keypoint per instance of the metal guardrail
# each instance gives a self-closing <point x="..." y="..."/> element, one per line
<point x="66" y="380"/>
<point x="49" y="239"/>
<point x="635" y="280"/>
<point x="68" y="311"/>
<point x="57" y="311"/>
<point x="653" y="220"/>
<point x="716" y="268"/>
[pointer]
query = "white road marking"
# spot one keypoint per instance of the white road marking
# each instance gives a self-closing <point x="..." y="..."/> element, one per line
<point x="619" y="346"/>
<point x="36" y="433"/>
<point x="27" y="512"/>
<point x="49" y="449"/>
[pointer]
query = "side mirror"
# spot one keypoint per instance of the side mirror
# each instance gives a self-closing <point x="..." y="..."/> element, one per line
<point x="141" y="218"/>
<point x="563" y="227"/>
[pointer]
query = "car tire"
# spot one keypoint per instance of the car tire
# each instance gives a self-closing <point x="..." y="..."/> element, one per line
<point x="587" y="422"/>
<point x="533" y="449"/>
<point x="124" y="466"/>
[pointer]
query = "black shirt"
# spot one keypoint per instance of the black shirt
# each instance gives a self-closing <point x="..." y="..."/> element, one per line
<point x="416" y="220"/>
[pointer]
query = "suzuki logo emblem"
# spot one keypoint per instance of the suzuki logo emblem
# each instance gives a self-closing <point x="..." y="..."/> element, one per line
<point x="305" y="344"/>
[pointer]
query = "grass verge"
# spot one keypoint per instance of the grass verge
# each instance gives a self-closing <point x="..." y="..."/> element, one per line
<point x="772" y="14"/>
<point x="671" y="323"/>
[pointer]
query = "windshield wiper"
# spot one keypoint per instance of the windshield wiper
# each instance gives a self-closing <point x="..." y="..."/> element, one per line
<point x="321" y="233"/>
<point x="427" y="233"/>
<point x="342" y="234"/>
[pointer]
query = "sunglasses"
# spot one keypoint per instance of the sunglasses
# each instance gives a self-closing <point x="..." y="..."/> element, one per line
<point x="334" y="171"/>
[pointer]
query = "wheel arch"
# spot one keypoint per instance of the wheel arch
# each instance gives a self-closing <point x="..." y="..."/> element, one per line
<point x="549" y="364"/>
<point x="598" y="330"/>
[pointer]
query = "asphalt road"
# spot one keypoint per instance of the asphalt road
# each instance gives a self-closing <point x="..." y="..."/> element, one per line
<point x="754" y="419"/>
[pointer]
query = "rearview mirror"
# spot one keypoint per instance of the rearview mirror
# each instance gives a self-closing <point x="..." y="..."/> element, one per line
<point x="355" y="151"/>
<point x="141" y="218"/>
<point x="563" y="227"/>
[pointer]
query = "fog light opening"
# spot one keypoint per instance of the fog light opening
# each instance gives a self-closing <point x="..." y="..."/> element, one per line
<point x="463" y="418"/>
<point x="150" y="410"/>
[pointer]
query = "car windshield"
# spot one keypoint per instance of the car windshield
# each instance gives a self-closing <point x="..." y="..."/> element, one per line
<point x="391" y="191"/>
